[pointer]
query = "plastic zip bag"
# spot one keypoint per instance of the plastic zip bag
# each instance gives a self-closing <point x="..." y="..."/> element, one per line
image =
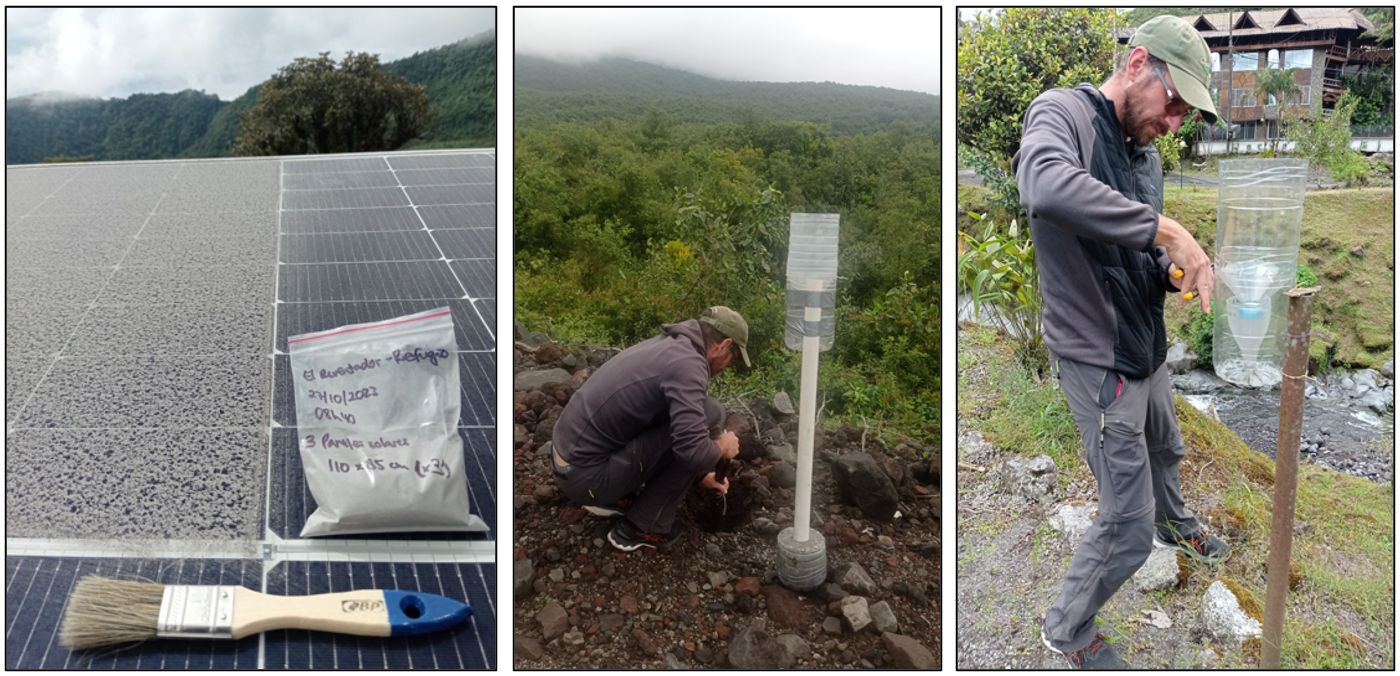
<point x="377" y="409"/>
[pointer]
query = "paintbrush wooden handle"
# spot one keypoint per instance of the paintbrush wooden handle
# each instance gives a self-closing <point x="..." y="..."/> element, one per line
<point x="367" y="612"/>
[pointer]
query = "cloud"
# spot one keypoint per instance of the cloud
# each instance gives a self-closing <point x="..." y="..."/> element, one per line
<point x="118" y="52"/>
<point x="889" y="47"/>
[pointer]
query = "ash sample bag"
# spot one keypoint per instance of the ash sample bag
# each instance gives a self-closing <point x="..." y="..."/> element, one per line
<point x="377" y="408"/>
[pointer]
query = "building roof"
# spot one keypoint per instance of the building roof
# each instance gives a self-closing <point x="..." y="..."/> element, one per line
<point x="1273" y="22"/>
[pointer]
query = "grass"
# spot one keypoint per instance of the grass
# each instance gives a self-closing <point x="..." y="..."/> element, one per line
<point x="1339" y="616"/>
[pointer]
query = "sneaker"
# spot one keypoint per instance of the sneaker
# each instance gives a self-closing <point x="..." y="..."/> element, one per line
<point x="623" y="535"/>
<point x="1201" y="545"/>
<point x="1096" y="655"/>
<point x="618" y="508"/>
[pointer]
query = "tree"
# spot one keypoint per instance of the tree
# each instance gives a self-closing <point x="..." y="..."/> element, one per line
<point x="313" y="106"/>
<point x="1274" y="88"/>
<point x="1007" y="59"/>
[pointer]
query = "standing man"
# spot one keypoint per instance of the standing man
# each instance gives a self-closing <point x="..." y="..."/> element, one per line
<point x="645" y="417"/>
<point x="1091" y="183"/>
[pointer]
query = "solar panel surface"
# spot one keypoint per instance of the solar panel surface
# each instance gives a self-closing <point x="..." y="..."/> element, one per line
<point x="147" y="313"/>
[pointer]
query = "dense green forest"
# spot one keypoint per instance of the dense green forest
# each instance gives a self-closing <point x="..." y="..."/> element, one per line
<point x="647" y="211"/>
<point x="460" y="79"/>
<point x="550" y="91"/>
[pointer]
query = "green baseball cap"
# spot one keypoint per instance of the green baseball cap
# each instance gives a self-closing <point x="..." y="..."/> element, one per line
<point x="732" y="325"/>
<point x="1174" y="41"/>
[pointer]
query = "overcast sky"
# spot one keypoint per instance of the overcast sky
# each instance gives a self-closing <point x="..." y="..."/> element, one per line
<point x="882" y="47"/>
<point x="119" y="52"/>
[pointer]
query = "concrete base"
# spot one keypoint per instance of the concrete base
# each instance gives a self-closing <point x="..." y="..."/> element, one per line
<point x="801" y="565"/>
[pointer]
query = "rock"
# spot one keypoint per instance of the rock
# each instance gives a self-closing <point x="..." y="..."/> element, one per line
<point x="535" y="379"/>
<point x="748" y="585"/>
<point x="713" y="550"/>
<point x="718" y="578"/>
<point x="752" y="648"/>
<point x="521" y="435"/>
<point x="569" y="362"/>
<point x="1223" y="618"/>
<point x="972" y="444"/>
<point x="906" y="653"/>
<point x="1159" y="572"/>
<point x="784" y="608"/>
<point x="831" y="591"/>
<point x="782" y="452"/>
<point x="1388" y="368"/>
<point x="1180" y="358"/>
<point x="794" y="646"/>
<point x="524" y="576"/>
<point x="628" y="604"/>
<point x="544" y="429"/>
<point x="856" y="611"/>
<point x="611" y="622"/>
<point x="765" y="526"/>
<point x="556" y="574"/>
<point x="554" y="621"/>
<point x="530" y="341"/>
<point x="863" y="483"/>
<point x="572" y="637"/>
<point x="674" y="663"/>
<point x="645" y="643"/>
<point x="528" y="648"/>
<point x="1073" y="520"/>
<point x="1030" y="478"/>
<point x="782" y="403"/>
<point x="853" y="578"/>
<point x="1379" y="401"/>
<point x="882" y="616"/>
<point x="831" y="626"/>
<point x="783" y="475"/>
<point x="1198" y="381"/>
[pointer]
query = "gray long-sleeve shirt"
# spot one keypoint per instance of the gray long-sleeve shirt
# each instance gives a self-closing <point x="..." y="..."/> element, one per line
<point x="1093" y="202"/>
<point x="660" y="379"/>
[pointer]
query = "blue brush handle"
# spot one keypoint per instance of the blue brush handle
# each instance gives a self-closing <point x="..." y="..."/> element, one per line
<point x="414" y="613"/>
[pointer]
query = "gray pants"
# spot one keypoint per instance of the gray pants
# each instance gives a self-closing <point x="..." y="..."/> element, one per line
<point x="646" y="462"/>
<point x="1134" y="448"/>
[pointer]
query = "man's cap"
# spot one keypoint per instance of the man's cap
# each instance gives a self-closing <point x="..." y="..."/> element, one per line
<point x="731" y="324"/>
<point x="1174" y="41"/>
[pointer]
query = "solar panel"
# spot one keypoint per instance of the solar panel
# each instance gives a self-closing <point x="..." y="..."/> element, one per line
<point x="148" y="306"/>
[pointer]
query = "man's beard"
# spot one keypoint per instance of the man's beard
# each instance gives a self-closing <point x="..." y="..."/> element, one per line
<point x="1140" y="128"/>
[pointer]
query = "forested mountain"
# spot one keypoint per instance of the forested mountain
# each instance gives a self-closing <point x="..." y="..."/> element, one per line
<point x="552" y="91"/>
<point x="460" y="79"/>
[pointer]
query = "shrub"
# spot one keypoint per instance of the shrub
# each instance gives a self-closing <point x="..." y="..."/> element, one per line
<point x="999" y="271"/>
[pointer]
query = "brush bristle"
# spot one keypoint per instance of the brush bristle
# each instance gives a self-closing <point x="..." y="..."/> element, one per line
<point x="106" y="612"/>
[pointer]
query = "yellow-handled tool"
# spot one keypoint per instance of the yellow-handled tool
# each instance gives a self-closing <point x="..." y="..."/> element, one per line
<point x="1178" y="274"/>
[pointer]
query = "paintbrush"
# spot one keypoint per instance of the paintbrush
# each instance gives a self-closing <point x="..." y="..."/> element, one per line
<point x="105" y="612"/>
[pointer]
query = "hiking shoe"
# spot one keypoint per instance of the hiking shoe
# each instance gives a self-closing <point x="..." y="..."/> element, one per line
<point x="1201" y="545"/>
<point x="618" y="508"/>
<point x="623" y="535"/>
<point x="1096" y="655"/>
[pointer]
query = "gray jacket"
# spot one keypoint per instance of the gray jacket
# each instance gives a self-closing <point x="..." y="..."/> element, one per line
<point x="661" y="380"/>
<point x="1093" y="200"/>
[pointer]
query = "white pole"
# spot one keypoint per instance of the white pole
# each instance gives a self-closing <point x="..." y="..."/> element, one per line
<point x="807" y="418"/>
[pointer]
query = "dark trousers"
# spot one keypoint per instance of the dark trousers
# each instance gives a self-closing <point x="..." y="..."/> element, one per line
<point x="645" y="463"/>
<point x="1134" y="448"/>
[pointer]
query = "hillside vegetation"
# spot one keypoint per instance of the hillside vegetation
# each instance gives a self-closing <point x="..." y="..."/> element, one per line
<point x="629" y="215"/>
<point x="550" y="91"/>
<point x="460" y="79"/>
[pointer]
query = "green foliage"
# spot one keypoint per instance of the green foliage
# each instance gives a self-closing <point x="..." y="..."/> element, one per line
<point x="1306" y="277"/>
<point x="317" y="106"/>
<point x="1350" y="168"/>
<point x="1279" y="86"/>
<point x="549" y="92"/>
<point x="460" y="80"/>
<point x="1326" y="141"/>
<point x="1007" y="59"/>
<point x="1169" y="149"/>
<point x="1006" y="195"/>
<point x="1375" y="93"/>
<point x="622" y="224"/>
<point x="999" y="274"/>
<point x="1200" y="332"/>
